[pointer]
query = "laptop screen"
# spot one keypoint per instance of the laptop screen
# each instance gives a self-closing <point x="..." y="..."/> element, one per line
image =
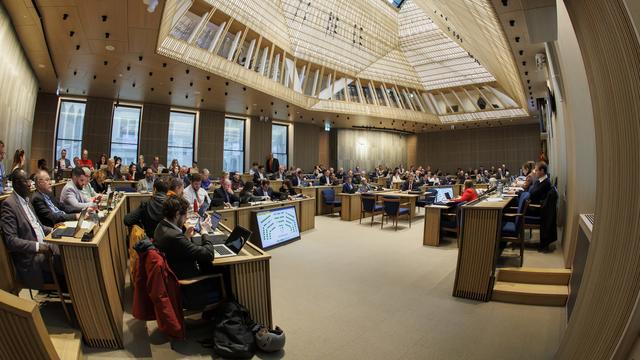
<point x="441" y="194"/>
<point x="238" y="237"/>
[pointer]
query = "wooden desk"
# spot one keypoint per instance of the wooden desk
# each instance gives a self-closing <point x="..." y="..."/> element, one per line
<point x="121" y="183"/>
<point x="479" y="236"/>
<point x="305" y="211"/>
<point x="321" y="208"/>
<point x="306" y="191"/>
<point x="402" y="195"/>
<point x="352" y="204"/>
<point x="95" y="273"/>
<point x="432" y="216"/>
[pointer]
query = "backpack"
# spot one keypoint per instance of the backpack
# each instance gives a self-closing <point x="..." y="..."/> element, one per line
<point x="233" y="336"/>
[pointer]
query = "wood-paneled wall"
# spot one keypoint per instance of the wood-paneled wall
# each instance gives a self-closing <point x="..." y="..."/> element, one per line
<point x="211" y="141"/>
<point x="18" y="94"/>
<point x="154" y="131"/>
<point x="368" y="149"/>
<point x="96" y="133"/>
<point x="42" y="141"/>
<point x="306" y="145"/>
<point x="259" y="141"/>
<point x="471" y="148"/>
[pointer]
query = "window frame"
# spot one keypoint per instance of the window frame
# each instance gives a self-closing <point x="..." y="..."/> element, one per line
<point x="62" y="100"/>
<point x="286" y="126"/>
<point x="113" y="116"/>
<point x="244" y="141"/>
<point x="193" y="141"/>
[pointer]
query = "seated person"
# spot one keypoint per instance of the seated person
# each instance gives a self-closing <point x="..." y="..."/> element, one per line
<point x="325" y="179"/>
<point x="98" y="183"/>
<point x="259" y="175"/>
<point x="410" y="184"/>
<point x="72" y="197"/>
<point x="46" y="206"/>
<point x="224" y="196"/>
<point x="265" y="191"/>
<point x="206" y="181"/>
<point x="298" y="178"/>
<point x="357" y="178"/>
<point x="348" y="186"/>
<point x="24" y="237"/>
<point x="279" y="175"/>
<point x="540" y="188"/>
<point x="246" y="194"/>
<point x="196" y="195"/>
<point x="287" y="188"/>
<point x="365" y="186"/>
<point x="87" y="189"/>
<point x="176" y="186"/>
<point x="185" y="258"/>
<point x="111" y="171"/>
<point x="469" y="193"/>
<point x="149" y="213"/>
<point x="146" y="184"/>
<point x="236" y="182"/>
<point x="156" y="166"/>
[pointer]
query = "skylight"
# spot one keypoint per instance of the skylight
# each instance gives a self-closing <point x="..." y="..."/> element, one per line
<point x="395" y="3"/>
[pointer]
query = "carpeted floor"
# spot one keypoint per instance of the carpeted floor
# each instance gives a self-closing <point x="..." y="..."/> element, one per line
<point x="350" y="291"/>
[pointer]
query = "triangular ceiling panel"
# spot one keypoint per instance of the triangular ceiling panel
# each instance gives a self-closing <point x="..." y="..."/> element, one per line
<point x="392" y="68"/>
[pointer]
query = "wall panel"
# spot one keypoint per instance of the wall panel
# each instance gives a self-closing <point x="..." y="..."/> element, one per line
<point x="306" y="145"/>
<point x="211" y="141"/>
<point x="260" y="141"/>
<point x="97" y="127"/>
<point x="44" y="122"/>
<point x="18" y="95"/>
<point x="368" y="149"/>
<point x="471" y="148"/>
<point x="154" y="132"/>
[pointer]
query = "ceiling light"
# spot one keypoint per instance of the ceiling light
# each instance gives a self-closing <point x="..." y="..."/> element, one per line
<point x="41" y="66"/>
<point x="109" y="47"/>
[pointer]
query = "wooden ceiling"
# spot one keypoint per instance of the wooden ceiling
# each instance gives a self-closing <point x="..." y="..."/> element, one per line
<point x="77" y="34"/>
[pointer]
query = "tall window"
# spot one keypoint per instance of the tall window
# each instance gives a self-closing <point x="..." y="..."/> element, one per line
<point x="125" y="133"/>
<point x="280" y="143"/>
<point x="233" y="153"/>
<point x="181" y="137"/>
<point x="69" y="132"/>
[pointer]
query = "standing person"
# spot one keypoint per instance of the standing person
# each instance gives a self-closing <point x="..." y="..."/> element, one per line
<point x="272" y="165"/>
<point x="46" y="206"/>
<point x="24" y="236"/>
<point x="2" y="176"/>
<point x="141" y="167"/>
<point x="85" y="161"/>
<point x="259" y="175"/>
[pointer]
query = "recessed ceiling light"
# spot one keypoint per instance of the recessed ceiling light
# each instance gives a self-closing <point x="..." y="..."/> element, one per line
<point x="109" y="47"/>
<point x="41" y="66"/>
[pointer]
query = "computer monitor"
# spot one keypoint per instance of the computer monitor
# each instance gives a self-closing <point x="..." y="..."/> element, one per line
<point x="441" y="194"/>
<point x="277" y="226"/>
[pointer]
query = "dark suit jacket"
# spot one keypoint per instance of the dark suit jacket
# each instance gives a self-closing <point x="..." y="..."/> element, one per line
<point x="278" y="176"/>
<point x="324" y="180"/>
<point x="414" y="186"/>
<point x="275" y="165"/>
<point x="256" y="178"/>
<point x="220" y="197"/>
<point x="46" y="216"/>
<point x="295" y="181"/>
<point x="21" y="240"/>
<point x="270" y="193"/>
<point x="348" y="188"/>
<point x="148" y="214"/>
<point x="181" y="253"/>
<point x="539" y="190"/>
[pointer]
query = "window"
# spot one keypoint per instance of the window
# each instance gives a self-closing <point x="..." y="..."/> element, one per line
<point x="70" y="124"/>
<point x="280" y="143"/>
<point x="233" y="152"/>
<point x="125" y="133"/>
<point x="181" y="137"/>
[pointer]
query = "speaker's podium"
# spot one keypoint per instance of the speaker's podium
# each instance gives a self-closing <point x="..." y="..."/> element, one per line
<point x="274" y="226"/>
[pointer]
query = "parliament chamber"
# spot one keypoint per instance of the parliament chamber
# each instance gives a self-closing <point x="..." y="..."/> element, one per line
<point x="366" y="179"/>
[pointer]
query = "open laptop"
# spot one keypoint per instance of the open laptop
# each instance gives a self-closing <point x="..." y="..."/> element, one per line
<point x="69" y="231"/>
<point x="443" y="195"/>
<point x="236" y="240"/>
<point x="203" y="226"/>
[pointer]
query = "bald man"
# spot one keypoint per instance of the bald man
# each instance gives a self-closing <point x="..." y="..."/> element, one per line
<point x="224" y="196"/>
<point x="48" y="209"/>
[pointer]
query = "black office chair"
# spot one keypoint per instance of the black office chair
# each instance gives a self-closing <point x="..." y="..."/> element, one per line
<point x="329" y="196"/>
<point x="370" y="206"/>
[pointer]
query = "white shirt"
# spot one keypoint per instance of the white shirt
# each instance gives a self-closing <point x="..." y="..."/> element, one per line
<point x="190" y="195"/>
<point x="542" y="178"/>
<point x="33" y="220"/>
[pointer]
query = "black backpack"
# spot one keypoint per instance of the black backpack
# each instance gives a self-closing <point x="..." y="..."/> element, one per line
<point x="233" y="337"/>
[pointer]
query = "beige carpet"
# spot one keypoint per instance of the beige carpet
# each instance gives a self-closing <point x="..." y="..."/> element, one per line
<point x="350" y="291"/>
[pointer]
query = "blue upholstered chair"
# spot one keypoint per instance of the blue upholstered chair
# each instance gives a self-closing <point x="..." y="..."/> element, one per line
<point x="513" y="226"/>
<point x="329" y="196"/>
<point x="370" y="206"/>
<point x="394" y="208"/>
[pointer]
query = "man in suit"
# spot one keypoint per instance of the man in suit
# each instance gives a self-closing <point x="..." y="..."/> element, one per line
<point x="236" y="181"/>
<point x="186" y="258"/>
<point x="272" y="165"/>
<point x="24" y="237"/>
<point x="259" y="175"/>
<point x="541" y="187"/>
<point x="146" y="184"/>
<point x="325" y="179"/>
<point x="224" y="196"/>
<point x="348" y="186"/>
<point x="71" y="196"/>
<point x="46" y="206"/>
<point x="365" y="186"/>
<point x="265" y="191"/>
<point x="298" y="179"/>
<point x="410" y="184"/>
<point x="279" y="175"/>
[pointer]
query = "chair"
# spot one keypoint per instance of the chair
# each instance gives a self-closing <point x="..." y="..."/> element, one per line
<point x="512" y="226"/>
<point x="370" y="206"/>
<point x="394" y="208"/>
<point x="329" y="196"/>
<point x="451" y="222"/>
<point x="22" y="324"/>
<point x="534" y="219"/>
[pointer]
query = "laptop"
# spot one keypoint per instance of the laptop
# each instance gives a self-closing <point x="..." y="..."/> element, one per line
<point x="110" y="200"/>
<point x="236" y="240"/>
<point x="207" y="228"/>
<point x="443" y="195"/>
<point x="69" y="231"/>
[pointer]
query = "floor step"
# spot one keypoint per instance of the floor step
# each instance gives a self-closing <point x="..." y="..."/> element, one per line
<point x="530" y="294"/>
<point x="533" y="275"/>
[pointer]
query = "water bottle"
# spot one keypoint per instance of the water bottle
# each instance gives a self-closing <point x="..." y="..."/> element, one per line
<point x="499" y="188"/>
<point x="108" y="189"/>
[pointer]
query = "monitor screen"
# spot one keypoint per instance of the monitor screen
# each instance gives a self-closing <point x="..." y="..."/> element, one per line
<point x="277" y="226"/>
<point x="440" y="194"/>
